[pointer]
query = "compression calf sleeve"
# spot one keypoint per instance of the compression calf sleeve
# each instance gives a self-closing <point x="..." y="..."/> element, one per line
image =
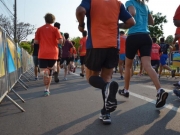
<point x="97" y="82"/>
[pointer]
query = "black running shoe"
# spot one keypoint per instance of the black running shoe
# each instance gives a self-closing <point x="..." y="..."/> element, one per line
<point x="82" y="75"/>
<point x="106" y="118"/>
<point x="177" y="93"/>
<point x="176" y="84"/>
<point x="161" y="98"/>
<point x="56" y="79"/>
<point x="122" y="93"/>
<point x="110" y="96"/>
<point x="173" y="73"/>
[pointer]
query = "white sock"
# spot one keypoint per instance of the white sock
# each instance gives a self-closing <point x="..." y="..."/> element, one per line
<point x="159" y="90"/>
<point x="126" y="91"/>
<point x="46" y="90"/>
<point x="179" y="82"/>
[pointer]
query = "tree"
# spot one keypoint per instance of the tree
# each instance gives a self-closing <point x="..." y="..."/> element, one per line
<point x="26" y="46"/>
<point x="157" y="29"/>
<point x="76" y="40"/>
<point x="169" y="39"/>
<point x="23" y="29"/>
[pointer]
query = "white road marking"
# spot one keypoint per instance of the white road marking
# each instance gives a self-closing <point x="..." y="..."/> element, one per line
<point x="167" y="106"/>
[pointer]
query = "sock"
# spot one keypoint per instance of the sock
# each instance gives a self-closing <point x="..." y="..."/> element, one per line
<point x="97" y="82"/>
<point x="126" y="91"/>
<point x="46" y="90"/>
<point x="159" y="90"/>
<point x="179" y="82"/>
<point x="103" y="111"/>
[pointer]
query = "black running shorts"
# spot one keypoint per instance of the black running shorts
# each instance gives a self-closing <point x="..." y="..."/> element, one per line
<point x="141" y="42"/>
<point x="98" y="58"/>
<point x="45" y="63"/>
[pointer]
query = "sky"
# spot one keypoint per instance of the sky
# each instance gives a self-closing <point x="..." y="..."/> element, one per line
<point x="33" y="12"/>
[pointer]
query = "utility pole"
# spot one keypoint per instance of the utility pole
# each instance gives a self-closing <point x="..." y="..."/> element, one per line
<point x="15" y="20"/>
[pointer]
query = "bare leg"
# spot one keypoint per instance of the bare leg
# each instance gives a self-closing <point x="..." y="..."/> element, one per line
<point x="128" y="70"/>
<point x="146" y="60"/>
<point x="121" y="64"/>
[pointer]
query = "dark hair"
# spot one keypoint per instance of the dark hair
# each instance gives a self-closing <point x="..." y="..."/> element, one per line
<point x="84" y="33"/>
<point x="122" y="32"/>
<point x="57" y="25"/>
<point x="49" y="18"/>
<point x="154" y="39"/>
<point x="32" y="41"/>
<point x="142" y="1"/>
<point x="73" y="42"/>
<point x="66" y="35"/>
<point x="162" y="39"/>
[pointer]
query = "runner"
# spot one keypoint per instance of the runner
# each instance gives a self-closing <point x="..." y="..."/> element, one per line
<point x="57" y="64"/>
<point x="164" y="56"/>
<point x="155" y="55"/>
<point x="122" y="53"/>
<point x="66" y="54"/>
<point x="82" y="52"/>
<point x="176" y="17"/>
<point x="73" y="55"/>
<point x="139" y="39"/>
<point x="35" y="48"/>
<point x="141" y="70"/>
<point x="47" y="37"/>
<point x="102" y="46"/>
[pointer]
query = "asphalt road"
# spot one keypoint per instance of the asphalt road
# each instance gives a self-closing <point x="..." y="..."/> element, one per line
<point x="73" y="109"/>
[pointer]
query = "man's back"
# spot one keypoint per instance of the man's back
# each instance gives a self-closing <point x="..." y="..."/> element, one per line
<point x="66" y="49"/>
<point x="102" y="23"/>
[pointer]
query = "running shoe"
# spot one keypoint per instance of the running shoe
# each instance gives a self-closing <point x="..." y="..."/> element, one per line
<point x="56" y="79"/>
<point x="65" y="79"/>
<point x="82" y="75"/>
<point x="173" y="73"/>
<point x="121" y="77"/>
<point x="106" y="118"/>
<point x="36" y="78"/>
<point x="122" y="93"/>
<point x="74" y="70"/>
<point x="46" y="76"/>
<point x="110" y="96"/>
<point x="161" y="98"/>
<point x="176" y="84"/>
<point x="46" y="93"/>
<point x="177" y="93"/>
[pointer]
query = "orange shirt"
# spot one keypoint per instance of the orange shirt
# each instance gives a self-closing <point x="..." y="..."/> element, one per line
<point x="82" y="50"/>
<point x="138" y="53"/>
<point x="177" y="14"/>
<point x="122" y="44"/>
<point x="73" y="50"/>
<point x="47" y="36"/>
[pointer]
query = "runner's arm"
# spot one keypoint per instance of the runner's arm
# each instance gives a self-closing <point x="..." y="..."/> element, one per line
<point x="126" y="17"/>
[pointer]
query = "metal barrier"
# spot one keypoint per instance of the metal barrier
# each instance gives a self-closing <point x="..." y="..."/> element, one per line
<point x="14" y="62"/>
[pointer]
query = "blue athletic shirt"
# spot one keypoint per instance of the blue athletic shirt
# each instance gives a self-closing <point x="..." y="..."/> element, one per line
<point x="141" y="17"/>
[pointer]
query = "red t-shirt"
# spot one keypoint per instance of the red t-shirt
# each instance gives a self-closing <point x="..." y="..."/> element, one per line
<point x="178" y="33"/>
<point x="177" y="14"/>
<point x="82" y="51"/>
<point x="122" y="44"/>
<point x="47" y="36"/>
<point x="155" y="52"/>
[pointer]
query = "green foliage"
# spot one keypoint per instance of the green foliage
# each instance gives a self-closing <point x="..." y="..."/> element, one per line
<point x="157" y="29"/>
<point x="26" y="46"/>
<point x="169" y="39"/>
<point x="76" y="40"/>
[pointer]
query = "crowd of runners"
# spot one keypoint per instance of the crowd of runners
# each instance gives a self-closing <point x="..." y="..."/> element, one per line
<point x="103" y="47"/>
